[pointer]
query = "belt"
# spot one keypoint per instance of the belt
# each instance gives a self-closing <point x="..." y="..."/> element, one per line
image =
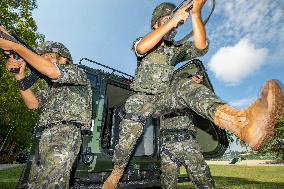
<point x="64" y="122"/>
<point x="179" y="112"/>
<point x="178" y="135"/>
<point x="144" y="93"/>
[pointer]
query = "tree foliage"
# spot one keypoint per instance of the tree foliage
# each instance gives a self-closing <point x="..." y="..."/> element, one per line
<point x="276" y="145"/>
<point x="13" y="112"/>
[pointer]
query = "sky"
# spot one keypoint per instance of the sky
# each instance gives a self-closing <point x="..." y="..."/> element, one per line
<point x="245" y="38"/>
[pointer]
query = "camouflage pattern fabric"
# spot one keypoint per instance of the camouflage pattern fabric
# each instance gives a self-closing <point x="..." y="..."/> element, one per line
<point x="189" y="153"/>
<point x="155" y="69"/>
<point x="129" y="132"/>
<point x="56" y="47"/>
<point x="68" y="98"/>
<point x="161" y="10"/>
<point x="186" y="94"/>
<point x="58" y="149"/>
<point x="186" y="152"/>
<point x="180" y="119"/>
<point x="156" y="96"/>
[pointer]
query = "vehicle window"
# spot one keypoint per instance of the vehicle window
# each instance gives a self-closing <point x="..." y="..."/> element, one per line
<point x="146" y="146"/>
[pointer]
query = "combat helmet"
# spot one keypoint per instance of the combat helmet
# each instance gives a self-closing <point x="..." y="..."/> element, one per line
<point x="54" y="47"/>
<point x="161" y="10"/>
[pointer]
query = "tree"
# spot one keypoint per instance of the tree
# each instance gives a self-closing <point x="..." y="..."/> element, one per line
<point x="13" y="113"/>
<point x="276" y="145"/>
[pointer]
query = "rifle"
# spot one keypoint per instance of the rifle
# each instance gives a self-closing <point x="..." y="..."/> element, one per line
<point x="172" y="33"/>
<point x="34" y="75"/>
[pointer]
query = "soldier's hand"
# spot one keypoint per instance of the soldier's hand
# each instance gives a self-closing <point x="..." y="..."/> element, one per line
<point x="13" y="63"/>
<point x="5" y="44"/>
<point x="197" y="79"/>
<point x="181" y="15"/>
<point x="197" y="6"/>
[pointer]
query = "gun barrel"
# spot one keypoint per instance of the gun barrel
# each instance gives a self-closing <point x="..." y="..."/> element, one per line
<point x="23" y="42"/>
<point x="34" y="75"/>
<point x="185" y="2"/>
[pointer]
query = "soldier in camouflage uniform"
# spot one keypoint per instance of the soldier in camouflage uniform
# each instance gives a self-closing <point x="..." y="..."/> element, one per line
<point x="156" y="96"/>
<point x="180" y="147"/>
<point x="65" y="105"/>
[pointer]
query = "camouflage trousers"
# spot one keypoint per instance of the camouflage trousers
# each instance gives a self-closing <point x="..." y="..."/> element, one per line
<point x="58" y="148"/>
<point x="186" y="153"/>
<point x="185" y="94"/>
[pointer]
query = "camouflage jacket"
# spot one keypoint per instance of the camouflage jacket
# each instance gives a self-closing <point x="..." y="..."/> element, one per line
<point x="155" y="69"/>
<point x="69" y="98"/>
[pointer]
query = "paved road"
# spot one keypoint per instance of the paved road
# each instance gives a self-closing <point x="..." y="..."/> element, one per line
<point x="7" y="166"/>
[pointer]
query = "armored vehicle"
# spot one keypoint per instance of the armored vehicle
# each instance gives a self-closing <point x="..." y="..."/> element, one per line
<point x="111" y="88"/>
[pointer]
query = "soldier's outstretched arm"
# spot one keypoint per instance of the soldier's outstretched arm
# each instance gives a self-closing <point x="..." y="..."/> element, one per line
<point x="42" y="65"/>
<point x="160" y="30"/>
<point x="199" y="34"/>
<point x="28" y="96"/>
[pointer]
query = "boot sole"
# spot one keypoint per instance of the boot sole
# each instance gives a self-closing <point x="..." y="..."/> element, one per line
<point x="273" y="93"/>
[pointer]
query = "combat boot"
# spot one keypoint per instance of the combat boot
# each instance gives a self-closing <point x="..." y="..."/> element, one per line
<point x="254" y="125"/>
<point x="113" y="179"/>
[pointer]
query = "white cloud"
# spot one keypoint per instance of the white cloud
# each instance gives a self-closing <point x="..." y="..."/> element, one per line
<point x="260" y="21"/>
<point x="244" y="17"/>
<point x="231" y="64"/>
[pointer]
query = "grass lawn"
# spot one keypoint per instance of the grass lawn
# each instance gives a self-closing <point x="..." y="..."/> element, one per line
<point x="231" y="177"/>
<point x="9" y="178"/>
<point x="241" y="177"/>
